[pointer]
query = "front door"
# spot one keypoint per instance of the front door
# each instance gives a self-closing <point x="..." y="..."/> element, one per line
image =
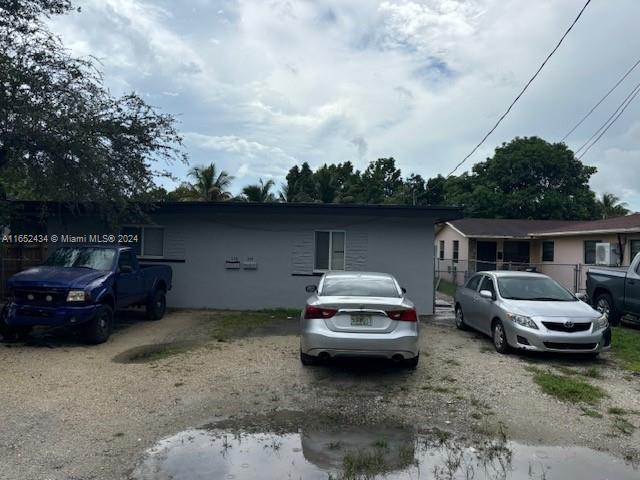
<point x="516" y="252"/>
<point x="486" y="255"/>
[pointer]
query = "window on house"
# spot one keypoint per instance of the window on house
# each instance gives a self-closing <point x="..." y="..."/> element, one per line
<point x="456" y="250"/>
<point x="441" y="249"/>
<point x="329" y="251"/>
<point x="635" y="249"/>
<point x="150" y="240"/>
<point x="590" y="251"/>
<point x="547" y="250"/>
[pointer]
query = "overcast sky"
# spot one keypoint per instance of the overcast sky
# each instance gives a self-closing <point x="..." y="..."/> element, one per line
<point x="259" y="85"/>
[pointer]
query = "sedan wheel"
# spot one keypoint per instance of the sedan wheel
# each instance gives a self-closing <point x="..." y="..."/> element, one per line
<point x="460" y="318"/>
<point x="500" y="338"/>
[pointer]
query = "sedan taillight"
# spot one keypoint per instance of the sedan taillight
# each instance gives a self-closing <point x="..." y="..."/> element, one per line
<point x="316" y="312"/>
<point x="403" y="315"/>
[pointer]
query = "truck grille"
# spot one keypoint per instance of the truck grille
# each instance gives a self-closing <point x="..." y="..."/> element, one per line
<point x="570" y="346"/>
<point x="40" y="296"/>
<point x="561" y="327"/>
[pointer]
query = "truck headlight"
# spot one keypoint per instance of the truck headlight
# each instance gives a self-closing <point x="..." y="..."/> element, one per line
<point x="601" y="323"/>
<point x="76" y="296"/>
<point x="522" y="320"/>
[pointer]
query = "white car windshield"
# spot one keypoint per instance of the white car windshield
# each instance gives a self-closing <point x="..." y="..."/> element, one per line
<point x="360" y="287"/>
<point x="533" y="288"/>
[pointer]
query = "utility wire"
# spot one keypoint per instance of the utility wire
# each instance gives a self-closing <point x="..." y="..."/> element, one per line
<point x="522" y="91"/>
<point x="633" y="90"/>
<point x="635" y="94"/>
<point x="601" y="100"/>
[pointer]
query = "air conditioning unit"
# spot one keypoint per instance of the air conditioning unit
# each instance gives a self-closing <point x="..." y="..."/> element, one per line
<point x="607" y="254"/>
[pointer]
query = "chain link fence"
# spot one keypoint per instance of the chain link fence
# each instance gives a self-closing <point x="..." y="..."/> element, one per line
<point x="453" y="273"/>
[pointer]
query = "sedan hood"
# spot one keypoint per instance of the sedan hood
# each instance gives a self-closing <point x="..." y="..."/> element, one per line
<point x="536" y="308"/>
<point x="61" y="277"/>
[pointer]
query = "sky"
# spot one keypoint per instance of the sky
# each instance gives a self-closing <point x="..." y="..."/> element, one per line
<point x="260" y="85"/>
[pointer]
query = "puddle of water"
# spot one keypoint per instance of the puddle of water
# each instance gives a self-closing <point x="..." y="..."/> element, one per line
<point x="150" y="353"/>
<point x="367" y="453"/>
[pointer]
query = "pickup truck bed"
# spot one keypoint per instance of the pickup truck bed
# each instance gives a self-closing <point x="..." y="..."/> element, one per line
<point x="616" y="290"/>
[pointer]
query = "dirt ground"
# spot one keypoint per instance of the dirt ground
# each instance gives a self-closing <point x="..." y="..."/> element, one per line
<point x="72" y="412"/>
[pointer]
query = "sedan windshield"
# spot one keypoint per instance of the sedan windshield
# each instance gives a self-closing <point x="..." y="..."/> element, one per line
<point x="533" y="288"/>
<point x="360" y="287"/>
<point x="94" y="258"/>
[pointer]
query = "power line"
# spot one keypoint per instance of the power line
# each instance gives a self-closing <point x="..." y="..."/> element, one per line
<point x="601" y="100"/>
<point x="635" y="94"/>
<point x="630" y="94"/>
<point x="522" y="91"/>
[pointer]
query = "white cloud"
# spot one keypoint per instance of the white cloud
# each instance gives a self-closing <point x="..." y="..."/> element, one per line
<point x="276" y="82"/>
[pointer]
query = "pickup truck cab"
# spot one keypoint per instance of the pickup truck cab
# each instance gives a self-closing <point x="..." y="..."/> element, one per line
<point x="83" y="286"/>
<point x="616" y="291"/>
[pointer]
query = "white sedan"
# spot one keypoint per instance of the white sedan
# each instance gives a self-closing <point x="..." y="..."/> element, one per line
<point x="359" y="314"/>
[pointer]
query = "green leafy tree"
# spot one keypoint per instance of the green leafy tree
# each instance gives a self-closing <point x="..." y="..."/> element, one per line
<point x="381" y="181"/>
<point x="209" y="184"/>
<point x="259" y="192"/>
<point x="62" y="134"/>
<point x="526" y="178"/>
<point x="609" y="205"/>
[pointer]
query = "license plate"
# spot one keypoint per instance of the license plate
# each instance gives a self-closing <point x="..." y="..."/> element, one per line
<point x="361" y="320"/>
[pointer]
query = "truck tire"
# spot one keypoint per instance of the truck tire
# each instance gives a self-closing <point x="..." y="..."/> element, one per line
<point x="157" y="306"/>
<point x="98" y="329"/>
<point x="12" y="334"/>
<point x="604" y="303"/>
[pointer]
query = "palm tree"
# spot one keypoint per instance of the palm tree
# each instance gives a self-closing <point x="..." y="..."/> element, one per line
<point x="259" y="192"/>
<point x="209" y="184"/>
<point x="611" y="206"/>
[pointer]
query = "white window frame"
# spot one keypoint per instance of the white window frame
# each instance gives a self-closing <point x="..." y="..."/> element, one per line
<point x="315" y="248"/>
<point x="142" y="229"/>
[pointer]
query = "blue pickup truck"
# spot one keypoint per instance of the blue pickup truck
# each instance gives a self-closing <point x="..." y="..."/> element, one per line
<point x="83" y="286"/>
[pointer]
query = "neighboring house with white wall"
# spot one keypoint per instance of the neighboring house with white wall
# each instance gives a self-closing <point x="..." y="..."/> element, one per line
<point x="559" y="248"/>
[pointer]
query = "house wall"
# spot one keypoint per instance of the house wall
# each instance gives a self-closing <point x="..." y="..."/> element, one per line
<point x="448" y="234"/>
<point x="197" y="247"/>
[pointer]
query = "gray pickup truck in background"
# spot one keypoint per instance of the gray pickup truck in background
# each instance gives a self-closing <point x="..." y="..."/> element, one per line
<point x="616" y="291"/>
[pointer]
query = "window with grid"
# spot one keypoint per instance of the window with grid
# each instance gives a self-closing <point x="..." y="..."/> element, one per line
<point x="456" y="250"/>
<point x="441" y="249"/>
<point x="590" y="251"/>
<point x="548" y="248"/>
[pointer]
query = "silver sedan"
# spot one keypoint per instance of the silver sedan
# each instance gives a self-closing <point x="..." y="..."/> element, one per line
<point x="358" y="314"/>
<point x="530" y="311"/>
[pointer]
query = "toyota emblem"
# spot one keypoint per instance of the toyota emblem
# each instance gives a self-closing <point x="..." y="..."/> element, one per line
<point x="568" y="324"/>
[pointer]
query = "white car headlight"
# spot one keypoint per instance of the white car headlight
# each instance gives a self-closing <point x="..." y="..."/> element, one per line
<point x="601" y="323"/>
<point x="522" y="320"/>
<point x="76" y="296"/>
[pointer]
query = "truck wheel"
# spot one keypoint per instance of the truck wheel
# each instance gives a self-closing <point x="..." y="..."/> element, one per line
<point x="98" y="329"/>
<point x="11" y="334"/>
<point x="157" y="306"/>
<point x="604" y="304"/>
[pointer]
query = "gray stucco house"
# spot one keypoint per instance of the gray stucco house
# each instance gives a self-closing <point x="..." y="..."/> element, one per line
<point x="230" y="255"/>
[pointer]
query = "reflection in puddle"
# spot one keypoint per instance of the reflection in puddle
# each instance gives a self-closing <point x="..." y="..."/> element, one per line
<point x="366" y="453"/>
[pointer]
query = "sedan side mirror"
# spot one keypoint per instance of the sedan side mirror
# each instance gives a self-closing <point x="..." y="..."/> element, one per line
<point x="486" y="294"/>
<point x="311" y="288"/>
<point x="404" y="290"/>
<point x="581" y="296"/>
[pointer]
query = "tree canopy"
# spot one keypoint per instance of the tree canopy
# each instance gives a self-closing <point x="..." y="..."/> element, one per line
<point x="63" y="136"/>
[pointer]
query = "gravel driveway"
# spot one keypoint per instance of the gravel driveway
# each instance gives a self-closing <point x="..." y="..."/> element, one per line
<point x="70" y="411"/>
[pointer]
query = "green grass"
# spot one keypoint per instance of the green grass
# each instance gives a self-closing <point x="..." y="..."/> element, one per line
<point x="363" y="463"/>
<point x="625" y="345"/>
<point x="617" y="411"/>
<point x="446" y="287"/>
<point x="229" y="325"/>
<point x="567" y="388"/>
<point x="588" y="412"/>
<point x="623" y="425"/>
